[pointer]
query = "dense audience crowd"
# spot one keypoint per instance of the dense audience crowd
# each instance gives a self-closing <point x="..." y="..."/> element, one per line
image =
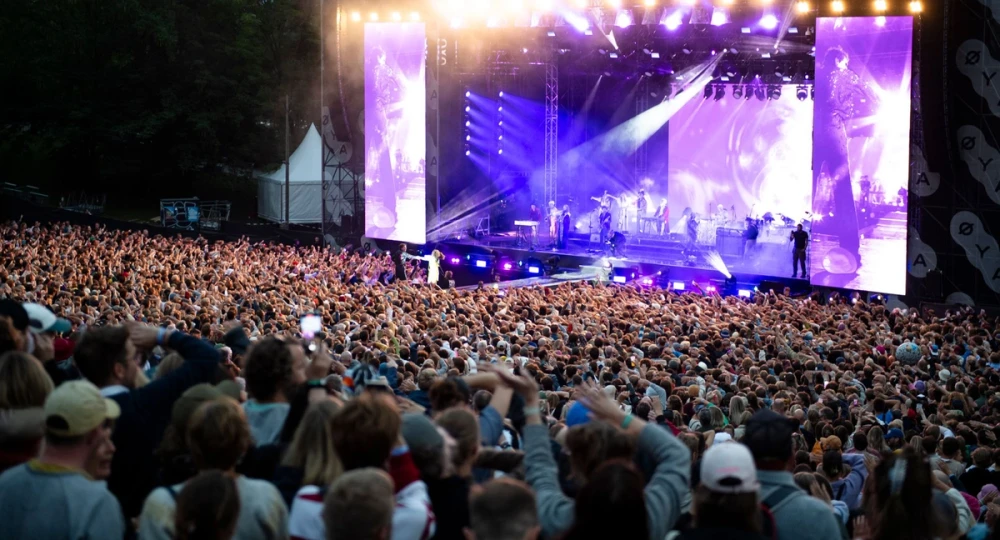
<point x="162" y="388"/>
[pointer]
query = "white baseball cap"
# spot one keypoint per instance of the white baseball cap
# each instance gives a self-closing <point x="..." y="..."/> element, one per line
<point x="41" y="320"/>
<point x="729" y="468"/>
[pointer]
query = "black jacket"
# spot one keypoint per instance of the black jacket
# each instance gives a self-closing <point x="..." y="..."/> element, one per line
<point x="145" y="415"/>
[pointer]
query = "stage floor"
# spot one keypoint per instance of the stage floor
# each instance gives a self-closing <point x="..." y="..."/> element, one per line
<point x="771" y="256"/>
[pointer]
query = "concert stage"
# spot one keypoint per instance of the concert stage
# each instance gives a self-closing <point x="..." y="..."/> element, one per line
<point x="677" y="143"/>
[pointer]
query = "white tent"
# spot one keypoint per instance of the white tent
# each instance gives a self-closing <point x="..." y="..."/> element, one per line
<point x="305" y="185"/>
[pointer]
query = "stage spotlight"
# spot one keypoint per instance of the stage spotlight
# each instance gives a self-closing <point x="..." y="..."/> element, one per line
<point x="414" y="16"/>
<point x="468" y="94"/>
<point x="802" y="93"/>
<point x="674" y="21"/>
<point x="774" y="91"/>
<point x="837" y="6"/>
<point x="880" y="20"/>
<point x="802" y="7"/>
<point x="708" y="91"/>
<point x="720" y="92"/>
<point x="759" y="92"/>
<point x="769" y="22"/>
<point x="615" y="4"/>
<point x="881" y="5"/>
<point x="749" y="93"/>
<point x="738" y="91"/>
<point x="396" y="16"/>
<point x="355" y="16"/>
<point x="916" y="7"/>
<point x="373" y="16"/>
<point x="581" y="4"/>
<point x="507" y="266"/>
<point x="500" y="94"/>
<point x="500" y="151"/>
<point x="650" y="3"/>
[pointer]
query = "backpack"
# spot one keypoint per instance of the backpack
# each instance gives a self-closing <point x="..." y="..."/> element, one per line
<point x="770" y="505"/>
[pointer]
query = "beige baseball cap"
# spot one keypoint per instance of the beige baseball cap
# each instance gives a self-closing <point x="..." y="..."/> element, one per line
<point x="74" y="408"/>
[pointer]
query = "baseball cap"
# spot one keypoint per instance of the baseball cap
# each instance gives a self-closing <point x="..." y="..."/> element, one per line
<point x="768" y="435"/>
<point x="729" y="468"/>
<point x="16" y="313"/>
<point x="420" y="433"/>
<point x="41" y="320"/>
<point x="894" y="433"/>
<point x="76" y="407"/>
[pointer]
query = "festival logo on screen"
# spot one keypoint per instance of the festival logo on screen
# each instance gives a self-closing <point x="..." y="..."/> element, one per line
<point x="861" y="143"/>
<point x="395" y="132"/>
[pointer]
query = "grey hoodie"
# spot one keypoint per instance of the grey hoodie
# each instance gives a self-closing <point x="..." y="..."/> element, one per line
<point x="664" y="492"/>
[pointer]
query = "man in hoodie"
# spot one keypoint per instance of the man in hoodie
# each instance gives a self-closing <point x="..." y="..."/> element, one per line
<point x="847" y="474"/>
<point x="273" y="369"/>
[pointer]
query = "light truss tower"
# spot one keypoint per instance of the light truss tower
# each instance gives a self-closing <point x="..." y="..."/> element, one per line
<point x="551" y="166"/>
<point x="641" y="157"/>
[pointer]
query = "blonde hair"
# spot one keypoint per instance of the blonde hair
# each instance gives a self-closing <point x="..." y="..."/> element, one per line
<point x="169" y="363"/>
<point x="23" y="381"/>
<point x="312" y="447"/>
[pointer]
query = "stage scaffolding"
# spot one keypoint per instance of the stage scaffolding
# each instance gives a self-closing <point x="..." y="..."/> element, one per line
<point x="641" y="157"/>
<point x="551" y="161"/>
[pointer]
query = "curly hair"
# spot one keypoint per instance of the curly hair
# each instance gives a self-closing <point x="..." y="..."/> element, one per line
<point x="268" y="368"/>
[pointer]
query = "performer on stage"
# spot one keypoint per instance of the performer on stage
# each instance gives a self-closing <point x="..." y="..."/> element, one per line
<point x="397" y="261"/>
<point x="433" y="264"/>
<point x="692" y="228"/>
<point x="388" y="92"/>
<point x="605" y="219"/>
<point x="565" y="222"/>
<point x="605" y="200"/>
<point x="534" y="214"/>
<point x="663" y="212"/>
<point x="750" y="237"/>
<point x="848" y="97"/>
<point x="801" y="239"/>
<point x="641" y="204"/>
<point x="553" y="221"/>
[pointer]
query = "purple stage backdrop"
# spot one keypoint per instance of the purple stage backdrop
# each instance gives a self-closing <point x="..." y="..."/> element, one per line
<point x="747" y="156"/>
<point x="861" y="153"/>
<point x="395" y="132"/>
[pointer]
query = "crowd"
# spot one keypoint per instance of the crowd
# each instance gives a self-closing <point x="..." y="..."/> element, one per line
<point x="158" y="387"/>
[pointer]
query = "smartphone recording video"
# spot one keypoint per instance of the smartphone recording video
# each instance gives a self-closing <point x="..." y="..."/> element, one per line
<point x="310" y="325"/>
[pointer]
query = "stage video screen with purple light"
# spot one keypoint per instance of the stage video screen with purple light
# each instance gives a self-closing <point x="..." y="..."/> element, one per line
<point x="861" y="153"/>
<point x="395" y="132"/>
<point x="739" y="170"/>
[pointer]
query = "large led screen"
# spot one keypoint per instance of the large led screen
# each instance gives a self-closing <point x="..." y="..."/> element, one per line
<point x="739" y="171"/>
<point x="861" y="153"/>
<point x="395" y="132"/>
